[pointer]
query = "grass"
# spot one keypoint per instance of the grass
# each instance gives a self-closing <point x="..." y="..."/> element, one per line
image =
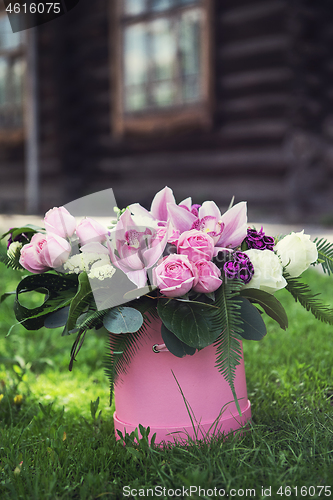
<point x="56" y="444"/>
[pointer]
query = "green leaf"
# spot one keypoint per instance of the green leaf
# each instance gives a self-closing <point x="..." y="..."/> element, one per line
<point x="302" y="294"/>
<point x="325" y="254"/>
<point x="228" y="347"/>
<point x="269" y="303"/>
<point x="4" y="296"/>
<point x="253" y="325"/>
<point x="60" y="291"/>
<point x="194" y="324"/>
<point x="57" y="319"/>
<point x="80" y="302"/>
<point x="28" y="228"/>
<point x="122" y="347"/>
<point x="123" y="320"/>
<point x="175" y="346"/>
<point x="11" y="261"/>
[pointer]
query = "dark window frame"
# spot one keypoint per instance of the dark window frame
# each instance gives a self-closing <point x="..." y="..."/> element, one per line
<point x="169" y="119"/>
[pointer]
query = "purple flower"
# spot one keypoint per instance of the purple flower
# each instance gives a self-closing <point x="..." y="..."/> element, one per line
<point x="258" y="240"/>
<point x="22" y="238"/>
<point x="239" y="267"/>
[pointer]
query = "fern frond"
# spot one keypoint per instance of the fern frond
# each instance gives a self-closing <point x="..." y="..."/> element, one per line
<point x="12" y="259"/>
<point x="303" y="294"/>
<point x="325" y="254"/>
<point x="228" y="347"/>
<point x="122" y="347"/>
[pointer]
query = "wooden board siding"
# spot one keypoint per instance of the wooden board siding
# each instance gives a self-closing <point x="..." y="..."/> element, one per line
<point x="271" y="133"/>
<point x="244" y="148"/>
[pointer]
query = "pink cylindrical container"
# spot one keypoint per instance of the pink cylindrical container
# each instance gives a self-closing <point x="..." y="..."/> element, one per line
<point x="148" y="394"/>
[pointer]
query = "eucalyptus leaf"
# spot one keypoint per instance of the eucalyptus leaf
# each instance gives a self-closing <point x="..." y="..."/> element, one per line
<point x="123" y="320"/>
<point x="193" y="323"/>
<point x="253" y="326"/>
<point x="269" y="303"/>
<point x="175" y="346"/>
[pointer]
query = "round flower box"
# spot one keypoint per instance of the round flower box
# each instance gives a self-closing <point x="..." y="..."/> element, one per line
<point x="178" y="397"/>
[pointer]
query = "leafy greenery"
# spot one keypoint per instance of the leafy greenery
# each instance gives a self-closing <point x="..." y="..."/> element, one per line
<point x="10" y="260"/>
<point x="303" y="294"/>
<point x="253" y="326"/>
<point x="122" y="347"/>
<point x="174" y="345"/>
<point x="59" y="291"/>
<point x="194" y="323"/>
<point x="228" y="348"/>
<point x="269" y="304"/>
<point x="73" y="454"/>
<point x="123" y="320"/>
<point x="325" y="254"/>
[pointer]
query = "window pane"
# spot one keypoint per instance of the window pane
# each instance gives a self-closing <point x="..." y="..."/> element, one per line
<point x="133" y="7"/>
<point x="163" y="93"/>
<point x="190" y="42"/>
<point x="136" y="98"/>
<point x="161" y="4"/>
<point x="190" y="48"/>
<point x="17" y="80"/>
<point x="191" y="89"/>
<point x="162" y="59"/>
<point x="163" y="49"/>
<point x="3" y="79"/>
<point x="8" y="39"/>
<point x="183" y="2"/>
<point x="135" y="47"/>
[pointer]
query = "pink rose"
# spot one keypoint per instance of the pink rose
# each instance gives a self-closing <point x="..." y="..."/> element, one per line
<point x="209" y="277"/>
<point x="59" y="221"/>
<point x="89" y="230"/>
<point x="175" y="275"/>
<point x="196" y="245"/>
<point x="44" y="252"/>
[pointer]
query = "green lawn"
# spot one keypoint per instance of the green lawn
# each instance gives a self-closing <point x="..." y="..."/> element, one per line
<point x="55" y="445"/>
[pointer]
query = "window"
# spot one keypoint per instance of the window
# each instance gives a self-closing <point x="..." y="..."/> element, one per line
<point x="162" y="64"/>
<point x="12" y="69"/>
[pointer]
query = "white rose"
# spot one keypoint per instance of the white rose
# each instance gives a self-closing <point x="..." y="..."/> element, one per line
<point x="13" y="247"/>
<point x="267" y="271"/>
<point x="296" y="252"/>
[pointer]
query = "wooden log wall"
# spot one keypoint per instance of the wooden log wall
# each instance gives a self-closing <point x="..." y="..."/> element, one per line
<point x="243" y="153"/>
<point x="272" y="67"/>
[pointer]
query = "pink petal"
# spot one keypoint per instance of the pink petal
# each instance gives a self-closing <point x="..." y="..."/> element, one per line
<point x="235" y="226"/>
<point x="139" y="278"/>
<point x="152" y="254"/>
<point x="187" y="203"/>
<point x="159" y="204"/>
<point x="94" y="247"/>
<point x="180" y="218"/>
<point x="136" y="209"/>
<point x="209" y="208"/>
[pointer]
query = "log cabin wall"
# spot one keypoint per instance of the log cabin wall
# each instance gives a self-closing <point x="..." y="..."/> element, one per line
<point x="12" y="137"/>
<point x="271" y="131"/>
<point x="243" y="153"/>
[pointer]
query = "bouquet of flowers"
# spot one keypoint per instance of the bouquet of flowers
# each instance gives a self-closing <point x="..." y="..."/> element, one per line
<point x="206" y="275"/>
